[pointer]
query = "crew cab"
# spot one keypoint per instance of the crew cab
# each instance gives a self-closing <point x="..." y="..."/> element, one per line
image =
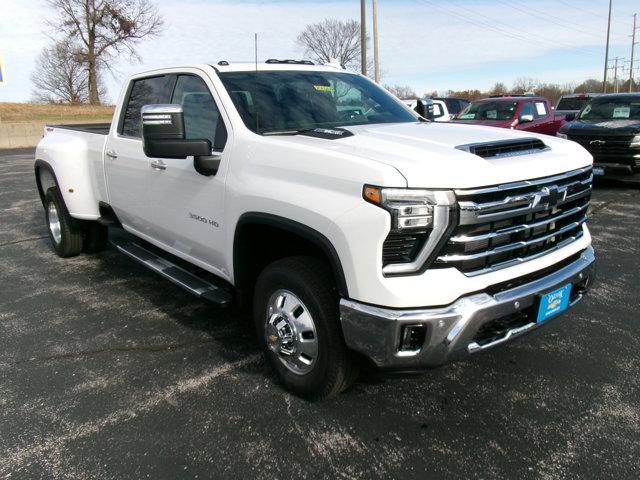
<point x="526" y="113"/>
<point x="360" y="235"/>
<point x="609" y="128"/>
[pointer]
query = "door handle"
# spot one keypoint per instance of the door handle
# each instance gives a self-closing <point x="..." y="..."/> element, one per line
<point x="111" y="154"/>
<point x="158" y="165"/>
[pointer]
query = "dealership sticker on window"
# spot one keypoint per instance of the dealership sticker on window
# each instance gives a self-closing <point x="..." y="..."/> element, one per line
<point x="540" y="107"/>
<point x="621" y="112"/>
<point x="323" y="88"/>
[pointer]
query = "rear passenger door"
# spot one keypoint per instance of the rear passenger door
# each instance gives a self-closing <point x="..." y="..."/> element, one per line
<point x="127" y="169"/>
<point x="544" y="118"/>
<point x="188" y="207"/>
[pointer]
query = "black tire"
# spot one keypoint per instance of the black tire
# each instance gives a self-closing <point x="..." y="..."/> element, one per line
<point x="95" y="237"/>
<point x="64" y="232"/>
<point x="311" y="281"/>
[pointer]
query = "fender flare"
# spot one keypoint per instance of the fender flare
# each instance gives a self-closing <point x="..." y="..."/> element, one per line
<point x="299" y="229"/>
<point x="41" y="164"/>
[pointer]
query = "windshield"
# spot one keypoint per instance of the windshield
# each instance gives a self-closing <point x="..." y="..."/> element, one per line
<point x="572" y="103"/>
<point x="285" y="101"/>
<point x="612" y="108"/>
<point x="489" y="111"/>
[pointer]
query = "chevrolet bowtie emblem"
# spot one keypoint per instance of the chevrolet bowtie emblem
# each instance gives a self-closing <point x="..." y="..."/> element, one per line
<point x="548" y="196"/>
<point x="597" y="142"/>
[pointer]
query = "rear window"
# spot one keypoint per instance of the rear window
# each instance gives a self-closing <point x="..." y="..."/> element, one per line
<point x="572" y="103"/>
<point x="145" y="91"/>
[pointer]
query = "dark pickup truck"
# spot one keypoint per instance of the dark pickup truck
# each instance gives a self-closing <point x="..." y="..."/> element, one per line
<point x="609" y="128"/>
<point x="519" y="112"/>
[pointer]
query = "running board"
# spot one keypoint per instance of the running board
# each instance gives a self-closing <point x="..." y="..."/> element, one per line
<point x="187" y="280"/>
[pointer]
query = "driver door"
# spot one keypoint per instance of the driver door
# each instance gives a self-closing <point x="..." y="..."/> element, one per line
<point x="188" y="206"/>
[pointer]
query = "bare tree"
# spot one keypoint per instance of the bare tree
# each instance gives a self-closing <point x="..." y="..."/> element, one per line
<point x="60" y="76"/>
<point x="402" y="91"/>
<point x="332" y="40"/>
<point x="104" y="30"/>
<point x="524" y="85"/>
<point x="498" y="88"/>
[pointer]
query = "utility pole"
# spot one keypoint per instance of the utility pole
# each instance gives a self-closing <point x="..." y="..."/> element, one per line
<point x="376" y="66"/>
<point x="615" y="72"/>
<point x="606" y="53"/>
<point x="363" y="36"/>
<point x="633" y="46"/>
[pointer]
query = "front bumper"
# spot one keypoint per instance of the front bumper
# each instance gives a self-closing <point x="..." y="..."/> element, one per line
<point x="459" y="329"/>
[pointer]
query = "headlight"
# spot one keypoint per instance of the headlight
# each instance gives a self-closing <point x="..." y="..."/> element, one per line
<point x="561" y="135"/>
<point x="430" y="212"/>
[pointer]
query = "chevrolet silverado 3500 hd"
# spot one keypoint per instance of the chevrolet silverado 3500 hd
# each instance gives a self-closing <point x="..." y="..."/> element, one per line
<point x="352" y="226"/>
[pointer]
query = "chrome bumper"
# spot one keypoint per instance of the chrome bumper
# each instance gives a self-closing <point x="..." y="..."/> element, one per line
<point x="451" y="331"/>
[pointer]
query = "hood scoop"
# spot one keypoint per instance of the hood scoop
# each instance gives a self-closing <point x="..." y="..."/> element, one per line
<point x="505" y="148"/>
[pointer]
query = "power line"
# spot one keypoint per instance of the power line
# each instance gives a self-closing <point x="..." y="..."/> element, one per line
<point x="545" y="16"/>
<point x="589" y="12"/>
<point x="502" y="31"/>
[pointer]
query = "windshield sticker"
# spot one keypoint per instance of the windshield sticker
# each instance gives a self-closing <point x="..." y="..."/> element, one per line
<point x="621" y="112"/>
<point x="541" y="109"/>
<point x="491" y="115"/>
<point x="323" y="88"/>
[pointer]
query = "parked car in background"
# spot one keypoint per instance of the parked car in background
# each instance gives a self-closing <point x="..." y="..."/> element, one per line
<point x="527" y="113"/>
<point x="572" y="103"/>
<point x="440" y="111"/>
<point x="609" y="128"/>
<point x="454" y="105"/>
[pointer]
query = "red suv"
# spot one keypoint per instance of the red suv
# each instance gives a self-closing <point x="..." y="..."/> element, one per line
<point x="531" y="114"/>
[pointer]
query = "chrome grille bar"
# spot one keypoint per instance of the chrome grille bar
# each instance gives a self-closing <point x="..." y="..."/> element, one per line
<point x="508" y="224"/>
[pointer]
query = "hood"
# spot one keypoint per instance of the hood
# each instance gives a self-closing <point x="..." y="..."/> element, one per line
<point x="608" y="127"/>
<point x="487" y="123"/>
<point x="426" y="154"/>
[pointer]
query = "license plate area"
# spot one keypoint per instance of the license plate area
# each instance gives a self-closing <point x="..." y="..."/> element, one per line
<point x="554" y="303"/>
<point x="598" y="171"/>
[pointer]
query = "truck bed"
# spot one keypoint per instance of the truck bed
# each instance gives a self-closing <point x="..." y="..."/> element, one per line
<point x="97" y="128"/>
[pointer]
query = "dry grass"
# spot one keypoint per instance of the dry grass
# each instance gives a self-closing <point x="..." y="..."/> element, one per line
<point x="31" y="112"/>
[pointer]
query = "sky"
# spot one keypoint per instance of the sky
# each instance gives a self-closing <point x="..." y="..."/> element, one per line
<point x="426" y="44"/>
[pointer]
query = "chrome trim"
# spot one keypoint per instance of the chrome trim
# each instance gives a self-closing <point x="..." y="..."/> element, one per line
<point x="472" y="212"/>
<point x="518" y="228"/>
<point x="161" y="108"/>
<point x="441" y="221"/>
<point x="375" y="331"/>
<point x="510" y="246"/>
<point x="522" y="184"/>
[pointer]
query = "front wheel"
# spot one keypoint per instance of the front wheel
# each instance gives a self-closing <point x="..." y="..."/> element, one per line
<point x="298" y="325"/>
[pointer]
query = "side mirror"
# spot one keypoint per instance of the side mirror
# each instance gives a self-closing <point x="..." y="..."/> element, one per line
<point x="163" y="134"/>
<point x="526" y="118"/>
<point x="425" y="108"/>
<point x="570" y="117"/>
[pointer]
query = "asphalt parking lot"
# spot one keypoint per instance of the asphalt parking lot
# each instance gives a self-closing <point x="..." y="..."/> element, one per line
<point x="108" y="371"/>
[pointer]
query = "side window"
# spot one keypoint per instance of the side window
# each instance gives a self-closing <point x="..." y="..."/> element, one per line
<point x="145" y="91"/>
<point x="437" y="110"/>
<point x="527" y="109"/>
<point x="541" y="109"/>
<point x="201" y="115"/>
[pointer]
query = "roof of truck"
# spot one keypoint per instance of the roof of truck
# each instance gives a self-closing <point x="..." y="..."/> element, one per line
<point x="272" y="64"/>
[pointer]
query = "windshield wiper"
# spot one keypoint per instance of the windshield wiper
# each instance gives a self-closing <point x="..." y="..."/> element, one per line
<point x="289" y="132"/>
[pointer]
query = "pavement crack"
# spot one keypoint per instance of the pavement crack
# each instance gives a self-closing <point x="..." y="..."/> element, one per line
<point x="136" y="348"/>
<point x="31" y="239"/>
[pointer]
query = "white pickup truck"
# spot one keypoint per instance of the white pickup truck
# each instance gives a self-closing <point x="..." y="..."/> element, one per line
<point x="355" y="229"/>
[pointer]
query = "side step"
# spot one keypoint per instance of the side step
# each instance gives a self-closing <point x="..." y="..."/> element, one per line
<point x="187" y="280"/>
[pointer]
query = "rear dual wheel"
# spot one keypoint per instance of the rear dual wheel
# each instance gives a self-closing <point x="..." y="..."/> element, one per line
<point x="69" y="236"/>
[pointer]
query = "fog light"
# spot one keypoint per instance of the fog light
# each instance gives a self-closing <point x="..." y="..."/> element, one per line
<point x="412" y="338"/>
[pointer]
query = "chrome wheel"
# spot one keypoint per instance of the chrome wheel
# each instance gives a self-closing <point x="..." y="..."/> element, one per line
<point x="290" y="332"/>
<point x="54" y="223"/>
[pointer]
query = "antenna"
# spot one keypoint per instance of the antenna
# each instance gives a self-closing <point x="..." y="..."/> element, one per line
<point x="255" y="104"/>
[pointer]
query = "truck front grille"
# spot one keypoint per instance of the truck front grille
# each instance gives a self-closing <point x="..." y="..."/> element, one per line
<point x="508" y="224"/>
<point x="607" y="148"/>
